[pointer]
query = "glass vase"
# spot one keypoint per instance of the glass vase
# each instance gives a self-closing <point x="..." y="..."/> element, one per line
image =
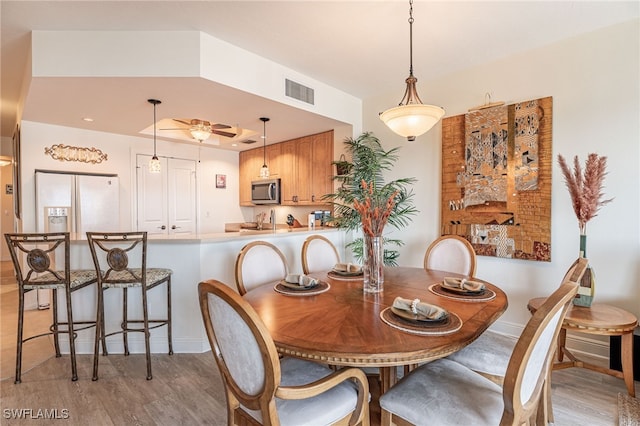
<point x="586" y="291"/>
<point x="373" y="268"/>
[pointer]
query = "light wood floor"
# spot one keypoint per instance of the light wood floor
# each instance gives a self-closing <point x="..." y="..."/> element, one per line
<point x="186" y="389"/>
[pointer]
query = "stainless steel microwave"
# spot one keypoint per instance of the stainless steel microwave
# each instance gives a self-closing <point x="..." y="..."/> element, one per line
<point x="265" y="191"/>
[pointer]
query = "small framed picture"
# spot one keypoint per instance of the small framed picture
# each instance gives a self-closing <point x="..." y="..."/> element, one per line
<point x="221" y="181"/>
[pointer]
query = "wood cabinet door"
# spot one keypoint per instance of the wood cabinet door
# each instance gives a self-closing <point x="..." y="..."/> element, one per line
<point x="304" y="160"/>
<point x="249" y="163"/>
<point x="288" y="173"/>
<point x="321" y="167"/>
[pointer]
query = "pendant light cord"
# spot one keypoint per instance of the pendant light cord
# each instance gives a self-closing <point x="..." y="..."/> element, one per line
<point x="410" y="38"/>
<point x="264" y="143"/>
<point x="154" y="129"/>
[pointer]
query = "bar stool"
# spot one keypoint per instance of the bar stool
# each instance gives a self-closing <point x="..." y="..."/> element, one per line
<point x="33" y="257"/>
<point x="120" y="259"/>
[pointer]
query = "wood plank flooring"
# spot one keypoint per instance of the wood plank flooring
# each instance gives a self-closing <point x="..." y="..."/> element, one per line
<point x="186" y="389"/>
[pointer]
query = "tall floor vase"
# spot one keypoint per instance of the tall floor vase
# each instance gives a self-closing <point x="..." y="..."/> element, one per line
<point x="586" y="291"/>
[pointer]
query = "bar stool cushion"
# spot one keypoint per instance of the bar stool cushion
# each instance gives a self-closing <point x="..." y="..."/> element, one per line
<point x="118" y="279"/>
<point x="78" y="278"/>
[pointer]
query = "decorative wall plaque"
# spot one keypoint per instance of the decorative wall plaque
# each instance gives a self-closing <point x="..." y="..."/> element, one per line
<point x="62" y="152"/>
<point x="496" y="179"/>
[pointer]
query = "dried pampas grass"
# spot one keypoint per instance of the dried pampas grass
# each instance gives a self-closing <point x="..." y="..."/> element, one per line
<point x="585" y="189"/>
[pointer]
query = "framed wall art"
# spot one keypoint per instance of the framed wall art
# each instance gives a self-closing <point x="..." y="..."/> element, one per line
<point x="496" y="179"/>
<point x="221" y="181"/>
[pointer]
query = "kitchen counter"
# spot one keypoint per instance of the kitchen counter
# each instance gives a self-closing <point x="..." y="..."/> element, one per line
<point x="193" y="258"/>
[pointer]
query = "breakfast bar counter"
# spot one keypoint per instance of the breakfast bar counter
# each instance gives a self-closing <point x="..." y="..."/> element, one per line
<point x="193" y="259"/>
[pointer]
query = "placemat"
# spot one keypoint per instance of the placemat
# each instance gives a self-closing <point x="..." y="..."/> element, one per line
<point x="485" y="296"/>
<point x="340" y="277"/>
<point x="320" y="288"/>
<point x="452" y="324"/>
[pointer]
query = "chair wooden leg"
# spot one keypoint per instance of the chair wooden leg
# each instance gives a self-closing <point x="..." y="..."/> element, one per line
<point x="55" y="325"/>
<point x="125" y="324"/>
<point x="20" y="331"/>
<point x="169" y="335"/>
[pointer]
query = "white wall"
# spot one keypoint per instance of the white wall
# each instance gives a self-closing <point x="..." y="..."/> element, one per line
<point x="216" y="205"/>
<point x="594" y="82"/>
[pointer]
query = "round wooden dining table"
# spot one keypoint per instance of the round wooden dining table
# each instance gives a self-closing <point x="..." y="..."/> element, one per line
<point x="345" y="327"/>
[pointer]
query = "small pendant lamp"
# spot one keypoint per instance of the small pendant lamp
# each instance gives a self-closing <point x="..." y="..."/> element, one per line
<point x="264" y="170"/>
<point x="154" y="164"/>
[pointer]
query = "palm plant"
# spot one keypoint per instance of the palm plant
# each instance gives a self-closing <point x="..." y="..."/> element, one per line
<point x="368" y="163"/>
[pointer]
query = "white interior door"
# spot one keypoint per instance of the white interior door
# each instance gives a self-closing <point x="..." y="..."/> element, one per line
<point x="166" y="201"/>
<point x="182" y="196"/>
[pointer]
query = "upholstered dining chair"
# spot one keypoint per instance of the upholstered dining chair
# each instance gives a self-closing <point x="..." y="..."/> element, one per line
<point x="489" y="354"/>
<point x="451" y="253"/>
<point x="120" y="260"/>
<point x="262" y="388"/>
<point x="258" y="263"/>
<point x="444" y="392"/>
<point x="318" y="254"/>
<point x="37" y="267"/>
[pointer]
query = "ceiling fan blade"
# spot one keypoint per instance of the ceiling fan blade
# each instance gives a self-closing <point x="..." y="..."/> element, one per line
<point x="221" y="133"/>
<point x="220" y="126"/>
<point x="182" y="121"/>
<point x="174" y="128"/>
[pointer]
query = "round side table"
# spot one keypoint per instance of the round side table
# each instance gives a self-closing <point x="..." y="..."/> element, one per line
<point x="602" y="319"/>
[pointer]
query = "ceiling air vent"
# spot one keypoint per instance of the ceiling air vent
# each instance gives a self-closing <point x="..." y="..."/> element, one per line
<point x="298" y="91"/>
<point x="249" y="141"/>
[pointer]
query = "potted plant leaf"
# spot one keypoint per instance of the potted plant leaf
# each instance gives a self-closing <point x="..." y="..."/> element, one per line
<point x="368" y="162"/>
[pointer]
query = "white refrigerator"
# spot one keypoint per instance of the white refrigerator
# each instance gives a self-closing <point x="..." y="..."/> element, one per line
<point x="76" y="203"/>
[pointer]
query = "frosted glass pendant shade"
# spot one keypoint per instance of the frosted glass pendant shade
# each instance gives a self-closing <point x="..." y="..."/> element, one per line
<point x="412" y="120"/>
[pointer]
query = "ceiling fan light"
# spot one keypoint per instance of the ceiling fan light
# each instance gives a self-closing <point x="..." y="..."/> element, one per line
<point x="412" y="120"/>
<point x="200" y="132"/>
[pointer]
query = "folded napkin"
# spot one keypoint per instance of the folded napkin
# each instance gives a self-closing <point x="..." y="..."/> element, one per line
<point x="462" y="284"/>
<point x="347" y="267"/>
<point x="302" y="280"/>
<point x="420" y="308"/>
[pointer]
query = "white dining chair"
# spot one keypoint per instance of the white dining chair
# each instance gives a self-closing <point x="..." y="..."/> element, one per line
<point x="318" y="254"/>
<point x="445" y="392"/>
<point x="261" y="387"/>
<point x="259" y="263"/>
<point x="451" y="253"/>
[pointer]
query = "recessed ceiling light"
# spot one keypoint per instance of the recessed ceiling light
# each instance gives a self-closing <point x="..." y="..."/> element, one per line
<point x="234" y="144"/>
<point x="88" y="119"/>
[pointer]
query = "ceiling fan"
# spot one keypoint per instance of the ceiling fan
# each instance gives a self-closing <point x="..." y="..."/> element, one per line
<point x="202" y="129"/>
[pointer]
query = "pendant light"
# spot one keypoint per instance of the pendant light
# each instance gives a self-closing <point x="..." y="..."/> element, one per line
<point x="264" y="171"/>
<point x="411" y="117"/>
<point x="154" y="164"/>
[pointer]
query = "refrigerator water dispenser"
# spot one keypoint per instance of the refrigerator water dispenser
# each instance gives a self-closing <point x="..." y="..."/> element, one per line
<point x="57" y="219"/>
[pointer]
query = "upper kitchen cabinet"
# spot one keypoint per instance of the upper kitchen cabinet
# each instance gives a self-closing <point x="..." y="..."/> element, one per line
<point x="308" y="163"/>
<point x="303" y="166"/>
<point x="251" y="161"/>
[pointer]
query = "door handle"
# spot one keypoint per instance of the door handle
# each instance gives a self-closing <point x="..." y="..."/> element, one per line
<point x="174" y="227"/>
<point x="162" y="227"/>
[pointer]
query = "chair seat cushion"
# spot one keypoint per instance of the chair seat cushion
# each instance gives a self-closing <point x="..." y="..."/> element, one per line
<point x="119" y="278"/>
<point x="445" y="393"/>
<point x="488" y="354"/>
<point x="324" y="409"/>
<point x="79" y="277"/>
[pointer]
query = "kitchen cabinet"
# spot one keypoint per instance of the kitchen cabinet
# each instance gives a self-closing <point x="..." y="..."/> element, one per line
<point x="303" y="166"/>
<point x="307" y="169"/>
<point x="250" y="163"/>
